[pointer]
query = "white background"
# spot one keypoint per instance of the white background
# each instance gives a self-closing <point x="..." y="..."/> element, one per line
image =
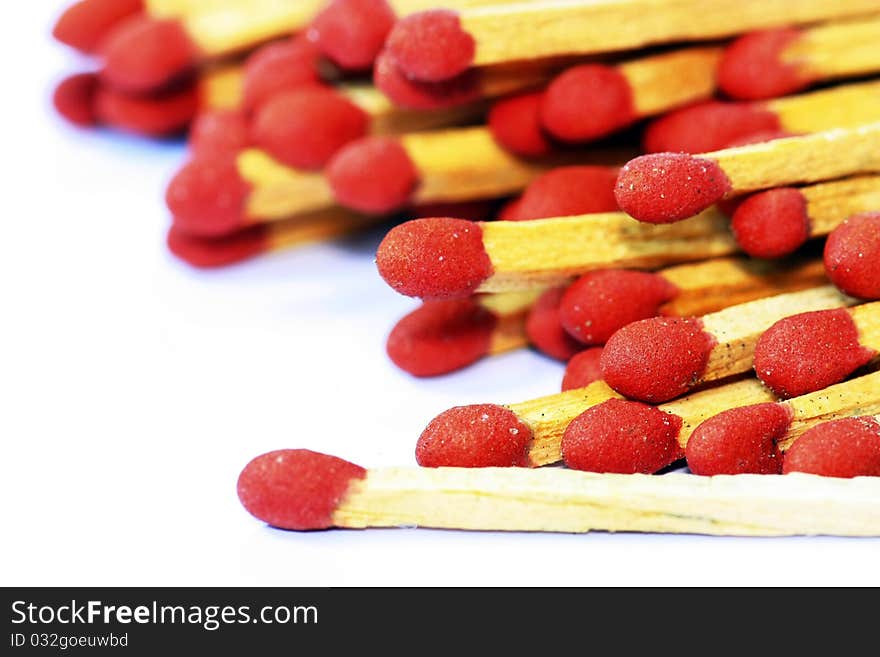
<point x="134" y="389"/>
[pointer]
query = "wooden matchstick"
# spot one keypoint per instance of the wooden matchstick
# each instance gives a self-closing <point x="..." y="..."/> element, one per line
<point x="667" y="187"/>
<point x="751" y="439"/>
<point x="658" y="359"/>
<point x="303" y="490"/>
<point x="481" y="36"/>
<point x="791" y="59"/>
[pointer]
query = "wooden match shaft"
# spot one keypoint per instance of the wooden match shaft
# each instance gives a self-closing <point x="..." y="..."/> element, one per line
<point x="709" y="286"/>
<point x="557" y="500"/>
<point x="530" y="30"/>
<point x="846" y="106"/>
<point x="810" y="158"/>
<point x="510" y="310"/>
<point x="829" y="204"/>
<point x="455" y="164"/>
<point x="315" y="226"/>
<point x="836" y="49"/>
<point x="860" y="396"/>
<point x="867" y="320"/>
<point x="662" y="82"/>
<point x="220" y="87"/>
<point x="736" y="329"/>
<point x="549" y="417"/>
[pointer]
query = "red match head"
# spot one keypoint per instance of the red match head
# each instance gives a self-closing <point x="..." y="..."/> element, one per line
<point x="544" y="329"/>
<point x="583" y="369"/>
<point x="809" y="351"/>
<point x="210" y="252"/>
<point x="219" y="133"/>
<point x="84" y="24"/>
<point x="587" y="102"/>
<point x="569" y="191"/>
<point x="143" y="54"/>
<point x="441" y="336"/>
<point x="420" y="95"/>
<point x="74" y="99"/>
<point x="478" y="436"/>
<point x="657" y="359"/>
<point x="708" y="126"/>
<point x="277" y="68"/>
<point x="666" y="187"/>
<point x="622" y="436"/>
<point x="373" y="175"/>
<point x="852" y="256"/>
<point x="207" y="197"/>
<point x="155" y="116"/>
<point x="771" y="224"/>
<point x="351" y="33"/>
<point x="437" y="258"/>
<point x="739" y="441"/>
<point x="753" y="67"/>
<point x="515" y="125"/>
<point x="306" y="127"/>
<point x="296" y="488"/>
<point x="431" y="45"/>
<point x="600" y="302"/>
<point x="849" y="447"/>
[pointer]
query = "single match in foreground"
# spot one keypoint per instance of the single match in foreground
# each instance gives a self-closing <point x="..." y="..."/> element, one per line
<point x="304" y="490"/>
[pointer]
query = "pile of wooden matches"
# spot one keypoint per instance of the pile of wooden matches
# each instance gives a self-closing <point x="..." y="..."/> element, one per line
<point x="678" y="198"/>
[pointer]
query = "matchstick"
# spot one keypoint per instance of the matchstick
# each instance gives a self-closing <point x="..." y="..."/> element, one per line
<point x="777" y="222"/>
<point x="261" y="239"/>
<point x="751" y="439"/>
<point x="530" y="433"/>
<point x="440" y="44"/>
<point x="447" y="258"/>
<point x="441" y="337"/>
<point x="791" y="59"/>
<point x="846" y="447"/>
<point x="304" y="490"/>
<point x="658" y="359"/>
<point x="852" y="256"/>
<point x="810" y="351"/>
<point x="715" y="125"/>
<point x="668" y="187"/>
<point x="212" y="198"/>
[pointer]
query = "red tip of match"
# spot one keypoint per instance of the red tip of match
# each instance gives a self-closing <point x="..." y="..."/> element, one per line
<point x="373" y="175"/>
<point x="351" y="33"/>
<point x="707" y="127"/>
<point x="434" y="258"/>
<point x="306" y="127"/>
<point x="207" y="197"/>
<point x="852" y="256"/>
<point x="84" y="24"/>
<point x="144" y="54"/>
<point x="622" y="436"/>
<point x="219" y="133"/>
<point x="478" y="436"/>
<point x="771" y="224"/>
<point x="600" y="302"/>
<point x="587" y="102"/>
<point x="752" y="67"/>
<point x="544" y="328"/>
<point x="849" y="447"/>
<point x="583" y="369"/>
<point x="569" y="191"/>
<point x="74" y="99"/>
<point x="153" y="116"/>
<point x="419" y="95"/>
<point x="441" y="337"/>
<point x="809" y="351"/>
<point x="657" y="359"/>
<point x="431" y="45"/>
<point x="666" y="187"/>
<point x="210" y="252"/>
<point x="515" y="124"/>
<point x="739" y="441"/>
<point x="296" y="488"/>
<point x="279" y="67"/>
